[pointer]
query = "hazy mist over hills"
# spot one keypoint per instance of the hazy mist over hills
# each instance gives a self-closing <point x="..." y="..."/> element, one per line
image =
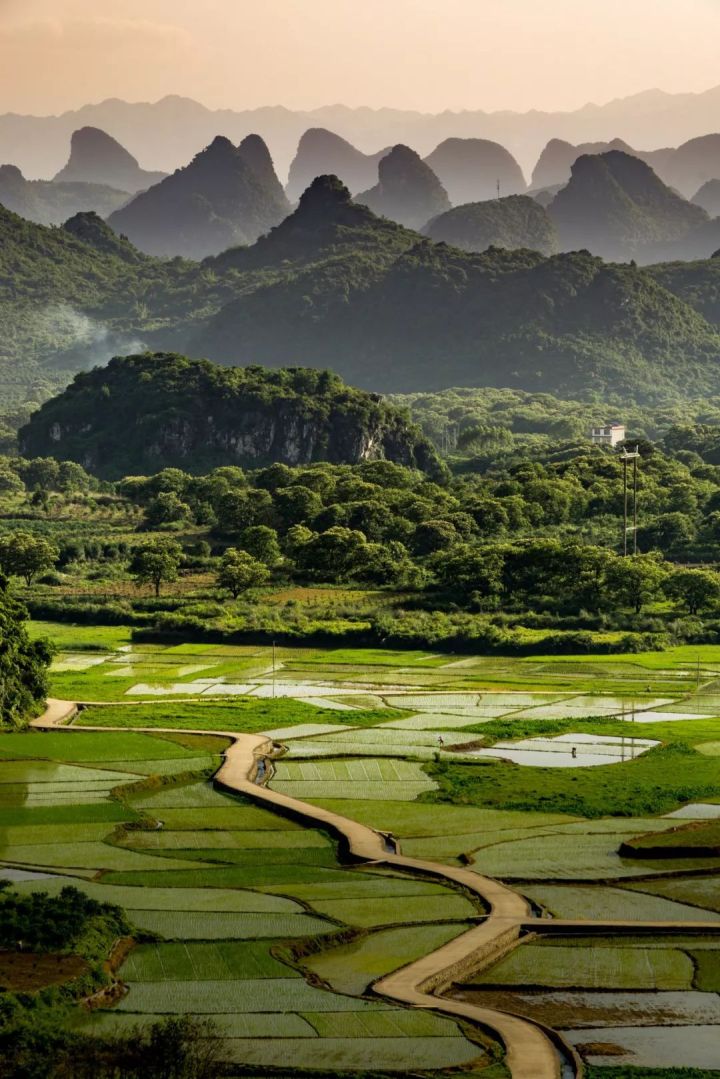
<point x="166" y="134"/>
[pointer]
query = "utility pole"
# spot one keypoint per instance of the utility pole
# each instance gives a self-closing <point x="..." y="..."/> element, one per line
<point x="630" y="455"/>
<point x="273" y="670"/>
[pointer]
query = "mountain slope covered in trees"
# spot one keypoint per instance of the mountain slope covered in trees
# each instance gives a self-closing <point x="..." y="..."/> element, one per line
<point x="335" y="286"/>
<point x="226" y="195"/>
<point x="512" y="222"/>
<point x="148" y="412"/>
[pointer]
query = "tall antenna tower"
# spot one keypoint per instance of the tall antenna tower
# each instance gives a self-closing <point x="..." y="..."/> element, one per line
<point x="627" y="456"/>
<point x="497" y="184"/>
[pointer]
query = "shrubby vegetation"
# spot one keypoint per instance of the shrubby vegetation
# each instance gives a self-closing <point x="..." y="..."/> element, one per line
<point x="517" y="548"/>
<point x="37" y="1040"/>
<point x="23" y="663"/>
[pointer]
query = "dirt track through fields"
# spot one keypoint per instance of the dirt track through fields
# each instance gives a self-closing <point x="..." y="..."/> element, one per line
<point x="531" y="1051"/>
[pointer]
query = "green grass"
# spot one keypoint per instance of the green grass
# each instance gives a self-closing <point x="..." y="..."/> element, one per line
<point x="698" y="834"/>
<point x="657" y="782"/>
<point x="248" y="714"/>
<point x="301" y="856"/>
<point x="188" y="925"/>
<point x="350" y="968"/>
<point x="196" y="900"/>
<point x="591" y="967"/>
<point x="629" y="1072"/>
<point x="273" y="877"/>
<point x="110" y="812"/>
<point x="289" y="994"/>
<point x="236" y="815"/>
<point x="568" y="856"/>
<point x="220" y="840"/>
<point x="697" y="891"/>
<point x="363" y="1055"/>
<point x="237" y="1025"/>
<point x="70" y="638"/>
<point x="602" y="902"/>
<point x="369" y="912"/>
<point x="109" y="746"/>
<point x="392" y="1023"/>
<point x="185" y="961"/>
<point x="90" y="855"/>
<point x="707" y="970"/>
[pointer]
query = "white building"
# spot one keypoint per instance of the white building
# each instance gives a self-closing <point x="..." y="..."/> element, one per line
<point x="609" y="435"/>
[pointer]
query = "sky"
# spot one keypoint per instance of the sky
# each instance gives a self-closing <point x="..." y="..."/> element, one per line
<point x="428" y="55"/>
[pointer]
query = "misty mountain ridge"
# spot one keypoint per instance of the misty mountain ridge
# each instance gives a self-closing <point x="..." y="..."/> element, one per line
<point x="227" y="195"/>
<point x="169" y="131"/>
<point x="617" y="207"/>
<point x="471" y="170"/>
<point x="407" y="191"/>
<point x="514" y="222"/>
<point x="322" y="153"/>
<point x="49" y="203"/>
<point x="334" y="272"/>
<point x="98" y="158"/>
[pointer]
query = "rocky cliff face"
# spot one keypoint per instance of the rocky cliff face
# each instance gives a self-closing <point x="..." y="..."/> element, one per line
<point x="471" y="169"/>
<point x="97" y="158"/>
<point x="144" y="413"/>
<point x="407" y="191"/>
<point x="226" y="196"/>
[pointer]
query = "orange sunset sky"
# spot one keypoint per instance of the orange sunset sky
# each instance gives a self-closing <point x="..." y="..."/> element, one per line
<point x="421" y="54"/>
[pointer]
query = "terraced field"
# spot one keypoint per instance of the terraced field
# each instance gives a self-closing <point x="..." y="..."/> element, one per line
<point x="263" y="924"/>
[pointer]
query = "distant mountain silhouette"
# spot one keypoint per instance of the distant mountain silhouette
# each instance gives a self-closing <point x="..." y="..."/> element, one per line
<point x="322" y="153"/>
<point x="407" y="191"/>
<point x="471" y="169"/>
<point x="693" y="164"/>
<point x="215" y="202"/>
<point x="685" y="168"/>
<point x="97" y="158"/>
<point x="709" y="197"/>
<point x="166" y="133"/>
<point x="49" y="203"/>
<point x="325" y="224"/>
<point x="90" y="229"/>
<point x="615" y="206"/>
<point x="517" y="221"/>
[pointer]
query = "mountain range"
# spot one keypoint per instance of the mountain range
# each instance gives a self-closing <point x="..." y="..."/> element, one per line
<point x="335" y="286"/>
<point x="227" y="195"/>
<point x="166" y="133"/>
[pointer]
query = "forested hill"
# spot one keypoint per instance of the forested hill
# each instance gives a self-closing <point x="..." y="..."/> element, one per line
<point x="399" y="316"/>
<point x="336" y="286"/>
<point x="148" y="412"/>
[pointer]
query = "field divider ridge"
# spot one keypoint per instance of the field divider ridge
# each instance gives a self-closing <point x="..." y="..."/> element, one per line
<point x="532" y="1052"/>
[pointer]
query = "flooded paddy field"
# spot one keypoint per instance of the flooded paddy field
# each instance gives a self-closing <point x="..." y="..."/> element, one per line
<point x="539" y="773"/>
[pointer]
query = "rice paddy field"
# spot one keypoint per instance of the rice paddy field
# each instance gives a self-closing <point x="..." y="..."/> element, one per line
<point x="533" y="771"/>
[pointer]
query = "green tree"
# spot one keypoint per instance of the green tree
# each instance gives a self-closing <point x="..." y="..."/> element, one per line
<point x="696" y="588"/>
<point x="634" y="581"/>
<point x="262" y="544"/>
<point x="166" y="509"/>
<point x="24" y="555"/>
<point x="239" y="571"/>
<point x="23" y="663"/>
<point x="156" y="563"/>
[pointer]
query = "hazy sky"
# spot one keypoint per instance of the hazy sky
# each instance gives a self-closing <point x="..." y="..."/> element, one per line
<point x="421" y="54"/>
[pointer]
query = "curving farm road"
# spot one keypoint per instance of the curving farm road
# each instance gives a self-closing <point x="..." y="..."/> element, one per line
<point x="531" y="1051"/>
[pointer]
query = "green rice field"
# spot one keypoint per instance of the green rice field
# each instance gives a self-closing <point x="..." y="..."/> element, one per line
<point x="257" y="921"/>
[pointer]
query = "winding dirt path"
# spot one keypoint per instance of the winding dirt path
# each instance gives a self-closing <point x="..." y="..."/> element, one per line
<point x="530" y="1052"/>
